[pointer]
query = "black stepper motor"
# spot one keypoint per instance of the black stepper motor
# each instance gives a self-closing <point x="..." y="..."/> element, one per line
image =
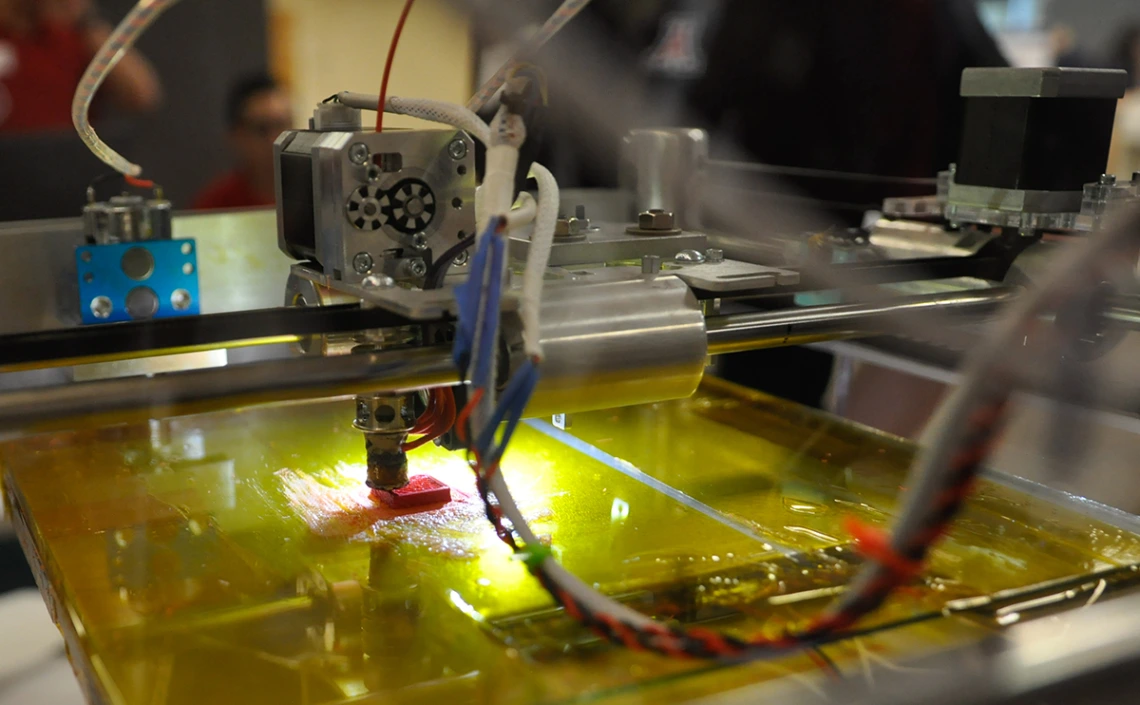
<point x="1046" y="129"/>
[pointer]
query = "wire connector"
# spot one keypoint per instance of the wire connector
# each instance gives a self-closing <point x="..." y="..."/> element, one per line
<point x="534" y="555"/>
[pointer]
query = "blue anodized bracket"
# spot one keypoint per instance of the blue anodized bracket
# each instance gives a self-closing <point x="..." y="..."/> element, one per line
<point x="138" y="280"/>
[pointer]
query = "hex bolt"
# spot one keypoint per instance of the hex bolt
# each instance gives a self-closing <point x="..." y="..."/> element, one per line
<point x="714" y="255"/>
<point x="650" y="265"/>
<point x="362" y="263"/>
<point x="457" y="149"/>
<point x="656" y="219"/>
<point x="562" y="228"/>
<point x="359" y="154"/>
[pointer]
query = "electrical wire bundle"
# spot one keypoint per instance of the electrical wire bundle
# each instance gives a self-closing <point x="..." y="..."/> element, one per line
<point x="479" y="303"/>
<point x="940" y="481"/>
<point x="436" y="420"/>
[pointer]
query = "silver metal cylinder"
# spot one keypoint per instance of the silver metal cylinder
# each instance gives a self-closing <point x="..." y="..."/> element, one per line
<point x="619" y="344"/>
<point x="1126" y="317"/>
<point x="663" y="168"/>
<point x="127" y="219"/>
<point x="813" y="324"/>
<point x="302" y="291"/>
<point x="228" y="387"/>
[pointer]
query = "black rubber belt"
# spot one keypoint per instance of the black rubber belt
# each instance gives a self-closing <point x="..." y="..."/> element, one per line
<point x="140" y="336"/>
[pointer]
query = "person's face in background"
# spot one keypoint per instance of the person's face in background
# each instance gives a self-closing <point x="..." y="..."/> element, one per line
<point x="62" y="12"/>
<point x="1135" y="70"/>
<point x="25" y="14"/>
<point x="265" y="116"/>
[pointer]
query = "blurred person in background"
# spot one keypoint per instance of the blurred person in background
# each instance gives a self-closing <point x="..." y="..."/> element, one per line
<point x="45" y="46"/>
<point x="1125" y="156"/>
<point x="257" y="112"/>
<point x="859" y="87"/>
<point x="1126" y="52"/>
<point x="866" y="87"/>
<point x="1067" y="51"/>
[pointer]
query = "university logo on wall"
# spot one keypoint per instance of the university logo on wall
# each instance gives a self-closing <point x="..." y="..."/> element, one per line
<point x="678" y="52"/>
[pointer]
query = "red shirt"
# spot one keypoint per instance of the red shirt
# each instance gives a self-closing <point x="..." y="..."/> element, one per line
<point x="232" y="190"/>
<point x="39" y="73"/>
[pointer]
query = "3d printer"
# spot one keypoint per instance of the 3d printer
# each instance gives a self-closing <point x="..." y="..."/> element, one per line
<point x="202" y="535"/>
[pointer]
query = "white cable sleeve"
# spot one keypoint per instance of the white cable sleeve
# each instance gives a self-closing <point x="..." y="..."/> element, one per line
<point x="507" y="134"/>
<point x="106" y="59"/>
<point x="431" y="110"/>
<point x="557" y="21"/>
<point x="480" y="205"/>
<point x="524" y="212"/>
<point x="538" y="257"/>
<point x="442" y="112"/>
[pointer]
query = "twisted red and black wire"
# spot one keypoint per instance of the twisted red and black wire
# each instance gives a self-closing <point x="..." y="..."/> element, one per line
<point x="896" y="568"/>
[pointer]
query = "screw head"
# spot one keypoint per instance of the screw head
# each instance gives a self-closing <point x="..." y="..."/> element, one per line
<point x="101" y="307"/>
<point x="714" y="255"/>
<point x="378" y="281"/>
<point x="1107" y="179"/>
<point x="689" y="257"/>
<point x="359" y="154"/>
<point x="419" y="241"/>
<point x="650" y="264"/>
<point x="462" y="259"/>
<point x="180" y="299"/>
<point x="656" y="219"/>
<point x="362" y="413"/>
<point x="417" y="268"/>
<point x="362" y="263"/>
<point x="457" y="149"/>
